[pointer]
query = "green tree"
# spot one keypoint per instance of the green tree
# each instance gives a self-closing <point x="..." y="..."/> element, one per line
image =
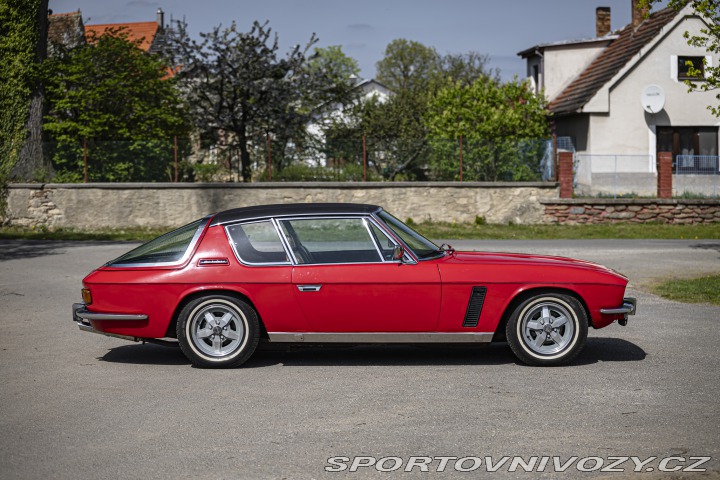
<point x="238" y="85"/>
<point x="466" y="68"/>
<point x="709" y="39"/>
<point x="501" y="125"/>
<point x="22" y="49"/>
<point x="120" y="99"/>
<point x="408" y="66"/>
<point x="339" y="70"/>
<point x="396" y="130"/>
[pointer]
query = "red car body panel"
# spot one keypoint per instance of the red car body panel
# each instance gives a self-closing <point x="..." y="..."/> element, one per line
<point x="426" y="296"/>
<point x="382" y="297"/>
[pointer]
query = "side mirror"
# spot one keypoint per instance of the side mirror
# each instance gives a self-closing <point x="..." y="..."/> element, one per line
<point x="398" y="253"/>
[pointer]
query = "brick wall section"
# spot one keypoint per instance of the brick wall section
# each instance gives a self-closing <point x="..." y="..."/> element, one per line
<point x="588" y="210"/>
<point x="664" y="177"/>
<point x="565" y="174"/>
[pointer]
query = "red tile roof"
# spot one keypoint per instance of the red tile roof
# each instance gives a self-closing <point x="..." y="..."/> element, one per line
<point x="144" y="31"/>
<point x="601" y="70"/>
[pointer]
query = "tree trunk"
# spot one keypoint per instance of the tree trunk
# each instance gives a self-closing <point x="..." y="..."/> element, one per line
<point x="245" y="163"/>
<point x="32" y="163"/>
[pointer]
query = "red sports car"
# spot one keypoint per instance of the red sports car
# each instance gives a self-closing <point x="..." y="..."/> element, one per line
<point x="341" y="273"/>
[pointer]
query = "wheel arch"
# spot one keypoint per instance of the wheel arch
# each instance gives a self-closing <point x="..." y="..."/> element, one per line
<point x="194" y="294"/>
<point x="523" y="295"/>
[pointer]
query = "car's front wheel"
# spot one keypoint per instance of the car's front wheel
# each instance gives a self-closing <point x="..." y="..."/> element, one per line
<point x="547" y="329"/>
<point x="218" y="331"/>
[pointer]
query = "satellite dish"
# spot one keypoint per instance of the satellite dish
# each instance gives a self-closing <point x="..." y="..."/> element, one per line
<point x="652" y="99"/>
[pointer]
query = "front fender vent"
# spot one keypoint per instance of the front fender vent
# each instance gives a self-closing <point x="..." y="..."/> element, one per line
<point x="475" y="305"/>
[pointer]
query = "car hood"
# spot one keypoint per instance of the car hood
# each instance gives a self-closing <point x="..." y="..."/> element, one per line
<point x="526" y="260"/>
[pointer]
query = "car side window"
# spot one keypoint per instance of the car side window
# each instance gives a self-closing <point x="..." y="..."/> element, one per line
<point x="257" y="243"/>
<point x="330" y="240"/>
<point x="386" y="245"/>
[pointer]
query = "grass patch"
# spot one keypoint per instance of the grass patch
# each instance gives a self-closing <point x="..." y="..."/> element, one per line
<point x="477" y="231"/>
<point x="695" y="290"/>
<point x="435" y="230"/>
<point x="118" y="235"/>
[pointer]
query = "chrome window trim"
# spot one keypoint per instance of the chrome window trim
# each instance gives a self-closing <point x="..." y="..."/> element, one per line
<point x="374" y="240"/>
<point x="363" y="217"/>
<point x="408" y="258"/>
<point x="186" y="256"/>
<point x="407" y="247"/>
<point x="237" y="254"/>
<point x="285" y="241"/>
<point x="409" y="253"/>
<point x="293" y="215"/>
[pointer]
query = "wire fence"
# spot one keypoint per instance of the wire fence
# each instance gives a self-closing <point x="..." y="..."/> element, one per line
<point x="615" y="175"/>
<point x="697" y="176"/>
<point x="267" y="158"/>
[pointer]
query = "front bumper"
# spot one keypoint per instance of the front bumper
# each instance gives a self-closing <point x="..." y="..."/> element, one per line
<point x="629" y="307"/>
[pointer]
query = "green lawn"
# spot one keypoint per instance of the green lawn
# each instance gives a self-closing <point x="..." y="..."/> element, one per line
<point x="435" y="230"/>
<point x="470" y="231"/>
<point x="124" y="234"/>
<point x="695" y="290"/>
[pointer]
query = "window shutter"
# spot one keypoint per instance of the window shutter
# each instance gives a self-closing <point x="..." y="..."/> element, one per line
<point x="674" y="67"/>
<point x="708" y="65"/>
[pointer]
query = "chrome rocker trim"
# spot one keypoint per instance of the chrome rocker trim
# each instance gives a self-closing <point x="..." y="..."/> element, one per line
<point x="390" y="337"/>
<point x="629" y="307"/>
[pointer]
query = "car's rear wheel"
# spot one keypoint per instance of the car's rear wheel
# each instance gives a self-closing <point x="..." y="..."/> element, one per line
<point x="218" y="331"/>
<point x="547" y="329"/>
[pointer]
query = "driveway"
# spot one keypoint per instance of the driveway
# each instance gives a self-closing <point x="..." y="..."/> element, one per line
<point x="81" y="406"/>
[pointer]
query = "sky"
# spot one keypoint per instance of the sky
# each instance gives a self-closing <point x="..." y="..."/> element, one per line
<point x="498" y="28"/>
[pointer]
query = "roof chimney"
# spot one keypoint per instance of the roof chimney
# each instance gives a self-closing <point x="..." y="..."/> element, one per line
<point x="638" y="14"/>
<point x="160" y="18"/>
<point x="602" y="21"/>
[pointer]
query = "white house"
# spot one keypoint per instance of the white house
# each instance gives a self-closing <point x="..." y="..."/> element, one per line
<point x="619" y="98"/>
<point x="329" y="114"/>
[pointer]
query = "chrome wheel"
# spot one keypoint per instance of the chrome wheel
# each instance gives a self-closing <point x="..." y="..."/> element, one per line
<point x="217" y="329"/>
<point x="547" y="328"/>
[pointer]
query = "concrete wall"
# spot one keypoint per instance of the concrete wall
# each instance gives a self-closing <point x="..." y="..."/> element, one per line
<point x="622" y="183"/>
<point x="88" y="206"/>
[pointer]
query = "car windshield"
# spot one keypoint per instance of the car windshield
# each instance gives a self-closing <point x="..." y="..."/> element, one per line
<point x="421" y="246"/>
<point x="168" y="248"/>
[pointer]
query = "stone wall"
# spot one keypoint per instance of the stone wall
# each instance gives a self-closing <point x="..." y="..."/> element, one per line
<point x="592" y="210"/>
<point x="88" y="206"/>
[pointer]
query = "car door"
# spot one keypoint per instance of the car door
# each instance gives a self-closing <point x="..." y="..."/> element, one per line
<point x="346" y="281"/>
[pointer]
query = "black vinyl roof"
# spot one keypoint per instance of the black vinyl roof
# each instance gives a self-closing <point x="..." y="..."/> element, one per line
<point x="292" y="209"/>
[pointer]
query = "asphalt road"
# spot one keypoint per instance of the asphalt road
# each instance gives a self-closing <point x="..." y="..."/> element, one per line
<point x="81" y="406"/>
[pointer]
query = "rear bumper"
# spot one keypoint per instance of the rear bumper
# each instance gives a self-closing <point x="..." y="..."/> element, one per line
<point x="629" y="307"/>
<point x="81" y="314"/>
<point x="82" y="317"/>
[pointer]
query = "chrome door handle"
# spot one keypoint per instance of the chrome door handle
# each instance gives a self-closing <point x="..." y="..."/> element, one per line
<point x="309" y="288"/>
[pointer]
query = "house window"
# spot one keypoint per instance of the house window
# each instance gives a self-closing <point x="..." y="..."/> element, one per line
<point x="536" y="77"/>
<point x="690" y="141"/>
<point x="691" y="68"/>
